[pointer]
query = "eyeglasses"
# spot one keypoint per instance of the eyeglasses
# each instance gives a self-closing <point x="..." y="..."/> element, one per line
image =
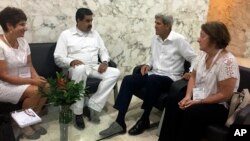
<point x="29" y="112"/>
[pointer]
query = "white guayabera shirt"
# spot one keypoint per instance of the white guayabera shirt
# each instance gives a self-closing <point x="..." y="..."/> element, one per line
<point x="75" y="44"/>
<point x="168" y="56"/>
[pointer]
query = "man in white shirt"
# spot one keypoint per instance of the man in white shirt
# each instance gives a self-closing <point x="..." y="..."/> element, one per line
<point x="169" y="50"/>
<point x="77" y="51"/>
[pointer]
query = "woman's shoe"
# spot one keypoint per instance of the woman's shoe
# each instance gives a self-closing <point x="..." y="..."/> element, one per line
<point x="29" y="133"/>
<point x="44" y="111"/>
<point x="39" y="129"/>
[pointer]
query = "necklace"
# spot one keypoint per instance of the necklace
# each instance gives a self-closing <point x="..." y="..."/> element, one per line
<point x="214" y="58"/>
<point x="206" y="71"/>
<point x="4" y="37"/>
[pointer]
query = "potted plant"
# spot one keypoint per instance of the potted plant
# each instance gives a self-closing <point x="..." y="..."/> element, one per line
<point x="63" y="92"/>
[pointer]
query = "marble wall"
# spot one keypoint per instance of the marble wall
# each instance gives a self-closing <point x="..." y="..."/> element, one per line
<point x="125" y="25"/>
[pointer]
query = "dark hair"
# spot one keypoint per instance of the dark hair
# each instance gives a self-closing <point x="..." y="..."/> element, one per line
<point x="12" y="16"/>
<point x="218" y="33"/>
<point x="82" y="12"/>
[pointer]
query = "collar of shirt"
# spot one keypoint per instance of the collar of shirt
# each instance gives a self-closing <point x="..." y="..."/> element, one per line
<point x="76" y="31"/>
<point x="169" y="38"/>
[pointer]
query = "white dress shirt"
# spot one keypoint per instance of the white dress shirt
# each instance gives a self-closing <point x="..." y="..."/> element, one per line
<point x="74" y="44"/>
<point x="168" y="56"/>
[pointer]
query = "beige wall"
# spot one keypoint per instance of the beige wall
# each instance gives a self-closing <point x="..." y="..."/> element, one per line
<point x="235" y="14"/>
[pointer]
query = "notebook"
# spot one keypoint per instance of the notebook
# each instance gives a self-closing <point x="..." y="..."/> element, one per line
<point x="25" y="117"/>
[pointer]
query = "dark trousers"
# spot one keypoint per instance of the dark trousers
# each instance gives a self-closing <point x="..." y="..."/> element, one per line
<point x="6" y="131"/>
<point x="154" y="85"/>
<point x="191" y="123"/>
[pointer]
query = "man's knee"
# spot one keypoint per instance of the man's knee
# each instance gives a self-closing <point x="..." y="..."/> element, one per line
<point x="117" y="72"/>
<point x="153" y="78"/>
<point x="113" y="72"/>
<point x="128" y="79"/>
<point x="77" y="72"/>
<point x="137" y="80"/>
<point x="78" y="69"/>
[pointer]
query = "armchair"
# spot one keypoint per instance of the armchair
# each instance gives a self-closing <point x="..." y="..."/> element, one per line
<point x="177" y="87"/>
<point x="221" y="132"/>
<point x="43" y="61"/>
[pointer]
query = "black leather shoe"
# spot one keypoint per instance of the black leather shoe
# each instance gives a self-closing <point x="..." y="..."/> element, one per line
<point x="91" y="114"/>
<point x="139" y="127"/>
<point x="86" y="112"/>
<point x="79" y="122"/>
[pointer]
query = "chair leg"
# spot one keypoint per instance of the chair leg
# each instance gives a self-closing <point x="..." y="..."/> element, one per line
<point x="115" y="92"/>
<point x="160" y="124"/>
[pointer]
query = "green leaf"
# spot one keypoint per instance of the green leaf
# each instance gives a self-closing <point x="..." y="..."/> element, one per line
<point x="64" y="96"/>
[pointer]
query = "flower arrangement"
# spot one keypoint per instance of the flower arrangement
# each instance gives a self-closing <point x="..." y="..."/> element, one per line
<point x="62" y="91"/>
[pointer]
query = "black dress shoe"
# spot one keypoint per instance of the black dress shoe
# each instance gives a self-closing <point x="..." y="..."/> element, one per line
<point x="86" y="112"/>
<point x="79" y="123"/>
<point x="91" y="114"/>
<point x="139" y="127"/>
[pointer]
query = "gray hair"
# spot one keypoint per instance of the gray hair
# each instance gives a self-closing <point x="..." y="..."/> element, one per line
<point x="166" y="19"/>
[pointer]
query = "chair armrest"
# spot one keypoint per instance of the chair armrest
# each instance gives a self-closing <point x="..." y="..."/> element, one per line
<point x="137" y="69"/>
<point x="243" y="116"/>
<point x="178" y="86"/>
<point x="112" y="64"/>
<point x="177" y="90"/>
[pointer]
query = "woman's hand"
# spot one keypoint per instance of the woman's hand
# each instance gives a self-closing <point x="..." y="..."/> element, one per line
<point x="39" y="81"/>
<point x="184" y="102"/>
<point x="187" y="102"/>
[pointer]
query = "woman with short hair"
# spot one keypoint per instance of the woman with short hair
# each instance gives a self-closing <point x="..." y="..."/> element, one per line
<point x="19" y="81"/>
<point x="214" y="78"/>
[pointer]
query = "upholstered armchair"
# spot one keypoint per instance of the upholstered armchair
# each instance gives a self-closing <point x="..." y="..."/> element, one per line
<point x="221" y="132"/>
<point x="43" y="62"/>
<point x="176" y="88"/>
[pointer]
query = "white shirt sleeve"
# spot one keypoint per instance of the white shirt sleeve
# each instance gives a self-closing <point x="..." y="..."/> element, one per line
<point x="103" y="52"/>
<point x="187" y="52"/>
<point x="228" y="69"/>
<point x="151" y="60"/>
<point x="27" y="46"/>
<point x="61" y="53"/>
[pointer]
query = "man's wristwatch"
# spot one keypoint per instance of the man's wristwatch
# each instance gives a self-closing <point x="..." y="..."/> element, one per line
<point x="105" y="62"/>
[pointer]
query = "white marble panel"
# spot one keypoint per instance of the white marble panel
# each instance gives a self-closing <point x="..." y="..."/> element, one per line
<point x="125" y="25"/>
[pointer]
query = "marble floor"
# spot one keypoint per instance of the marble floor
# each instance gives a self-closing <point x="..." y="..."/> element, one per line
<point x="108" y="115"/>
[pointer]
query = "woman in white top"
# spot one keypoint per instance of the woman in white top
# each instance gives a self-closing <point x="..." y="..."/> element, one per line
<point x="214" y="78"/>
<point x="19" y="82"/>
